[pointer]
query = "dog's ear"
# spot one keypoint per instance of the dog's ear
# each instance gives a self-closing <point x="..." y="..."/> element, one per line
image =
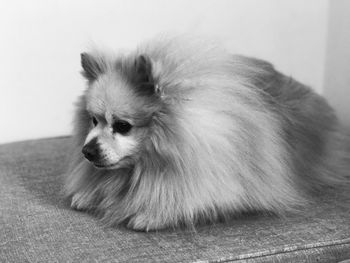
<point x="92" y="67"/>
<point x="143" y="75"/>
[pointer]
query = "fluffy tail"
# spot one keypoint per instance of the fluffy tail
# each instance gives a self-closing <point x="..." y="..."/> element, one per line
<point x="336" y="166"/>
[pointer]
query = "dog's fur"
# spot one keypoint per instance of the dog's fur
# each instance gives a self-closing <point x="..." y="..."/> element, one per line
<point x="213" y="135"/>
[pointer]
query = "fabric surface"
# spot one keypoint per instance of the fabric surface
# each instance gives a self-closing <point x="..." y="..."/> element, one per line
<point x="37" y="225"/>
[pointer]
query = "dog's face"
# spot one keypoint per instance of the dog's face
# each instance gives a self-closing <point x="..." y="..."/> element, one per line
<point x="120" y="101"/>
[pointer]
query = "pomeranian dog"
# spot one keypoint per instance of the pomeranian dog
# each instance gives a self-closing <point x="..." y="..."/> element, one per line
<point x="181" y="132"/>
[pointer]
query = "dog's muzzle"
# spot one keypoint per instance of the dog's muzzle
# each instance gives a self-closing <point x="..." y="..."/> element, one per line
<point x="91" y="151"/>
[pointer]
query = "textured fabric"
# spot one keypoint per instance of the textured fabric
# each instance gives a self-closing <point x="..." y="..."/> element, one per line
<point x="36" y="225"/>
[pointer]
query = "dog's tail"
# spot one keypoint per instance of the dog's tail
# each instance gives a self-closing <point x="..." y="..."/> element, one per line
<point x="335" y="170"/>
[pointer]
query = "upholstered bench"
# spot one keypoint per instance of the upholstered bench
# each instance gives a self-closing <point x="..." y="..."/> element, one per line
<point x="37" y="225"/>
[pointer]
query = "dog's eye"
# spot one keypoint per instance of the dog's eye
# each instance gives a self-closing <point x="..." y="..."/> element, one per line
<point x="94" y="121"/>
<point x="121" y="127"/>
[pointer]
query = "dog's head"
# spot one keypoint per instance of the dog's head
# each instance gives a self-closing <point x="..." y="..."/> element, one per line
<point x="121" y="98"/>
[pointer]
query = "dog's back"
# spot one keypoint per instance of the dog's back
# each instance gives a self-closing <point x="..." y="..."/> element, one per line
<point x="316" y="142"/>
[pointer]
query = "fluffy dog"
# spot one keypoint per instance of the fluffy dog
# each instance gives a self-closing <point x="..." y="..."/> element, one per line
<point x="180" y="132"/>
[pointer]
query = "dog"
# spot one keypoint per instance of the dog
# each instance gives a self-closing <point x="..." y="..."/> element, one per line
<point x="181" y="132"/>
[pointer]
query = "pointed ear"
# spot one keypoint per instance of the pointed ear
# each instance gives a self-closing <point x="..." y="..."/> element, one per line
<point x="143" y="75"/>
<point x="92" y="67"/>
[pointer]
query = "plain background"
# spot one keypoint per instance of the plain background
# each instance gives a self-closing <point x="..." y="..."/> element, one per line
<point x="41" y="41"/>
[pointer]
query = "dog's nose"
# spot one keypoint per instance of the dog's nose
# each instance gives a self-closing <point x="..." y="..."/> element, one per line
<point x="91" y="150"/>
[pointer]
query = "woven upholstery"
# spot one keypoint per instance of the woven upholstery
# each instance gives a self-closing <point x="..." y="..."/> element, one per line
<point x="37" y="225"/>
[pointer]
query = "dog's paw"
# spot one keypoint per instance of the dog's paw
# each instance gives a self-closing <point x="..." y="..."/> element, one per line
<point x="144" y="223"/>
<point x="81" y="201"/>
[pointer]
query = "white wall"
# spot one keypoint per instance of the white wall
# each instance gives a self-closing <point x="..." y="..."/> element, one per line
<point x="337" y="71"/>
<point x="41" y="40"/>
